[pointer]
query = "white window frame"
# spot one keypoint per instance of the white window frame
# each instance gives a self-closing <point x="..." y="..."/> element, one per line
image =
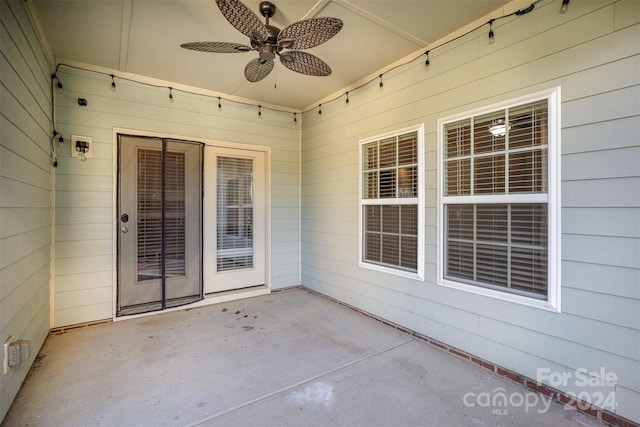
<point x="552" y="199"/>
<point x="419" y="201"/>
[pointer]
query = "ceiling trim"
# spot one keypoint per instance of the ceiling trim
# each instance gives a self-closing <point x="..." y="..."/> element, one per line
<point x="442" y="42"/>
<point x="320" y="4"/>
<point x="125" y="32"/>
<point x="381" y="22"/>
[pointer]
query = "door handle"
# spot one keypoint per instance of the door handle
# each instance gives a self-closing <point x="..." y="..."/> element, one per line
<point x="125" y="229"/>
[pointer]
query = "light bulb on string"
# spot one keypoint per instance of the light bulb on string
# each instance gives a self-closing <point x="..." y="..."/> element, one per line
<point x="347" y="100"/>
<point x="492" y="37"/>
<point x="381" y="85"/>
<point x="319" y="109"/>
<point x="58" y="83"/>
<point x="219" y="104"/>
<point x="113" y="82"/>
<point x="295" y="118"/>
<point x="426" y="62"/>
<point x="170" y="94"/>
<point x="259" y="110"/>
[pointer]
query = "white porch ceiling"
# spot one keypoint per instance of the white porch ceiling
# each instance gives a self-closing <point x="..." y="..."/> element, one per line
<point x="143" y="37"/>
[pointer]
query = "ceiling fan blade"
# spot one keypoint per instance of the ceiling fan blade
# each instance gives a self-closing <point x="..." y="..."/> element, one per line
<point x="305" y="63"/>
<point x="257" y="69"/>
<point x="217" y="47"/>
<point x="243" y="19"/>
<point x="309" y="33"/>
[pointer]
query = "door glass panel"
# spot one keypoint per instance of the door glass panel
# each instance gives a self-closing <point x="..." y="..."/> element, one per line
<point x="235" y="213"/>
<point x="174" y="214"/>
<point x="150" y="214"/>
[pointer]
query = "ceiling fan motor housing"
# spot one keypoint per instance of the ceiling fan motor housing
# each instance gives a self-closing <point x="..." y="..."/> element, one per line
<point x="269" y="48"/>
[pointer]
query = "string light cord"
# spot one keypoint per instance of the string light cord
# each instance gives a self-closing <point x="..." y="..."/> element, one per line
<point x="52" y="144"/>
<point x="172" y="90"/>
<point x="378" y="77"/>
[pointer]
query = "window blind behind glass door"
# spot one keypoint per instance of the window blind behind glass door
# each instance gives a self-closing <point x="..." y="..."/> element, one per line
<point x="235" y="213"/>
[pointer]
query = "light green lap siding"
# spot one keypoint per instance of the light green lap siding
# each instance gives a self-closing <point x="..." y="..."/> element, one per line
<point x="84" y="190"/>
<point x="25" y="189"/>
<point x="593" y="54"/>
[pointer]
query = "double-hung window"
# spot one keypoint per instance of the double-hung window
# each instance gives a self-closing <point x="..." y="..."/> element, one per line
<point x="499" y="219"/>
<point x="391" y="236"/>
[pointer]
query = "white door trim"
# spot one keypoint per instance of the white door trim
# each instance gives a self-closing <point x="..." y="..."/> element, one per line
<point x="215" y="298"/>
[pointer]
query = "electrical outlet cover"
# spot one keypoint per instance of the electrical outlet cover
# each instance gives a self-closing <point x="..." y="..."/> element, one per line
<point x="15" y="357"/>
<point x="25" y="349"/>
<point x="5" y="357"/>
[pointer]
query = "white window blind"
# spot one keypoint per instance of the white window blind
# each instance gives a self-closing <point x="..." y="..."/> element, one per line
<point x="495" y="199"/>
<point x="235" y="213"/>
<point x="151" y="211"/>
<point x="390" y="201"/>
<point x="175" y="214"/>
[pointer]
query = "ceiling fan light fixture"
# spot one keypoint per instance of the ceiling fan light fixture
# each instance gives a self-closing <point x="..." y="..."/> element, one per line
<point x="499" y="128"/>
<point x="267" y="53"/>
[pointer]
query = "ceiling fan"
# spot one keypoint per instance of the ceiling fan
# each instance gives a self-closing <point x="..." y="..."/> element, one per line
<point x="270" y="41"/>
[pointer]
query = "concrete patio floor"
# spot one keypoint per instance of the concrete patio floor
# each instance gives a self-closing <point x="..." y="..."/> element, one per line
<point x="291" y="358"/>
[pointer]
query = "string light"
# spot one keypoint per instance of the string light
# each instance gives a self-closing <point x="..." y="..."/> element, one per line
<point x="59" y="135"/>
<point x="492" y="37"/>
<point x="526" y="10"/>
<point x="58" y="84"/>
<point x="565" y="6"/>
<point x="295" y="118"/>
<point x="52" y="146"/>
<point x="260" y="110"/>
